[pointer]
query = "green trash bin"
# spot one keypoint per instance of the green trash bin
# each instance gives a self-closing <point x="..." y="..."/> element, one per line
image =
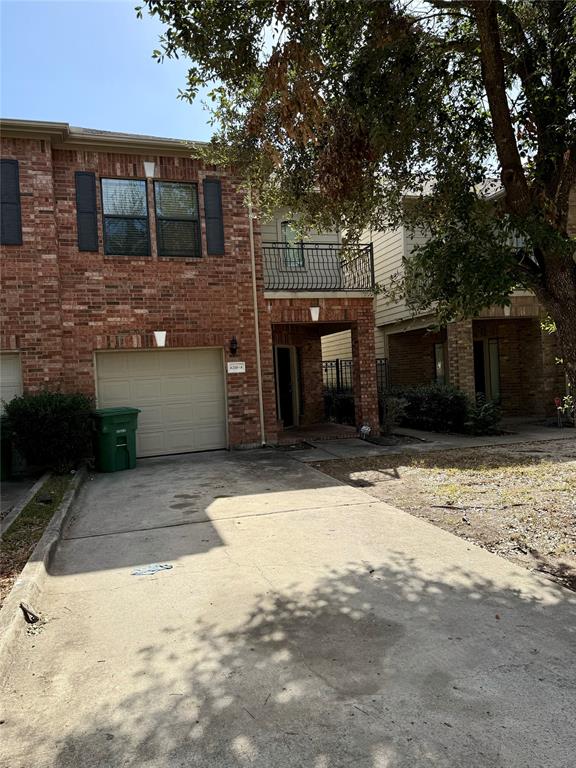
<point x="115" y="438"/>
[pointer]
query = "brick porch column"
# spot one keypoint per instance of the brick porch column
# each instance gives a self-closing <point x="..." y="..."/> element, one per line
<point x="312" y="383"/>
<point x="460" y="343"/>
<point x="364" y="368"/>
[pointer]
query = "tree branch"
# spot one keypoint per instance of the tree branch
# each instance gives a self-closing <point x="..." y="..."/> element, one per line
<point x="493" y="75"/>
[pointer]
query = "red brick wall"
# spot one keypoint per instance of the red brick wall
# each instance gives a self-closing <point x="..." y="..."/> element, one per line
<point x="60" y="305"/>
<point x="336" y="314"/>
<point x="30" y="277"/>
<point x="461" y="356"/>
<point x="411" y="357"/>
<point x="307" y="341"/>
<point x="529" y="375"/>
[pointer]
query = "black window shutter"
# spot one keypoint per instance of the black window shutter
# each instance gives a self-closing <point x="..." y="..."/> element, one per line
<point x="213" y="215"/>
<point x="86" y="217"/>
<point x="11" y="217"/>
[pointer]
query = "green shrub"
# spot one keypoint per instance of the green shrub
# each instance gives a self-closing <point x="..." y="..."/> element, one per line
<point x="483" y="416"/>
<point x="434" y="407"/>
<point x="442" y="408"/>
<point x="392" y="411"/>
<point x="50" y="429"/>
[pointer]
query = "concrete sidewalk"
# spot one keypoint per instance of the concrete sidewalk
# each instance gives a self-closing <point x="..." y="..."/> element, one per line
<point x="423" y="442"/>
<point x="302" y="624"/>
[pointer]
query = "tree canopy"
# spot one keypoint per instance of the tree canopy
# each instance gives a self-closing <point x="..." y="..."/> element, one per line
<point x="454" y="116"/>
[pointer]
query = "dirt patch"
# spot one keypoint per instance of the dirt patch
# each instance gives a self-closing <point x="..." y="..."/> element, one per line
<point x="516" y="500"/>
<point x="19" y="541"/>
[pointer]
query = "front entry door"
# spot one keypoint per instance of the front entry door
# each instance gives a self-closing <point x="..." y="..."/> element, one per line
<point x="285" y="385"/>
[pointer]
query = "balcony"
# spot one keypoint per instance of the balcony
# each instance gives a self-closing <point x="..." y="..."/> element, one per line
<point x="318" y="267"/>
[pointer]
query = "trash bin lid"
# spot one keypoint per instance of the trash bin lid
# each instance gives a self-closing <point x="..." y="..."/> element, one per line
<point x="123" y="411"/>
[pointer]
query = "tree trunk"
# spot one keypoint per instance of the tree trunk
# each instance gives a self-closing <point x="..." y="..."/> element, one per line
<point x="493" y="75"/>
<point x="557" y="293"/>
<point x="566" y="330"/>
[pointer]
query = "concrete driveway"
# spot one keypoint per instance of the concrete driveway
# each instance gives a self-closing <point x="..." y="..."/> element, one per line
<point x="302" y="625"/>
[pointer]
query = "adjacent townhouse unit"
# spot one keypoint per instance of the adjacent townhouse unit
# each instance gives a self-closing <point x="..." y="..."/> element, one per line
<point x="108" y="238"/>
<point x="503" y="353"/>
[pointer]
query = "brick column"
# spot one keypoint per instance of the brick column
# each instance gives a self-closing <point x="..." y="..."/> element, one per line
<point x="364" y="366"/>
<point x="460" y="343"/>
<point x="312" y="384"/>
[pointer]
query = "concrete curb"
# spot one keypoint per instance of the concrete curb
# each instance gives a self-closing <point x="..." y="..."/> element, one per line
<point x="27" y="588"/>
<point x="17" y="508"/>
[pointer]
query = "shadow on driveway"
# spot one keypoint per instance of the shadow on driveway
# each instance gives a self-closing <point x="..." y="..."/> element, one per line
<point x="376" y="667"/>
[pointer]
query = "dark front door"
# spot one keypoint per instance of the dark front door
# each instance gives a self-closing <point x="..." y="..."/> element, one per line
<point x="479" y="368"/>
<point x="285" y="387"/>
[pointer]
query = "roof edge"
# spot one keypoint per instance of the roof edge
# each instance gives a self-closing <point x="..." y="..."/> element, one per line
<point x="63" y="134"/>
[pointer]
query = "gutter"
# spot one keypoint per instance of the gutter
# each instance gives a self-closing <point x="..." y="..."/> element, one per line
<point x="256" y="318"/>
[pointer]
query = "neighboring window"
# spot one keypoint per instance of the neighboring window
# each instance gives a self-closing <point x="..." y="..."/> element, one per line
<point x="177" y="219"/>
<point x="10" y="216"/>
<point x="294" y="251"/>
<point x="439" y="364"/>
<point x="125" y="212"/>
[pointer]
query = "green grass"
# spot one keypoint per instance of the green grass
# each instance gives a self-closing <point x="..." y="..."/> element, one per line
<point x="19" y="541"/>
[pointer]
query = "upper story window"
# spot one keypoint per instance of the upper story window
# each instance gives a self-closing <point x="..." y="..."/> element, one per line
<point x="177" y="218"/>
<point x="294" y="251"/>
<point x="10" y="217"/>
<point x="125" y="210"/>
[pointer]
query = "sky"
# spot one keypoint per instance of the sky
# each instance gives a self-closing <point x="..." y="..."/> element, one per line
<point x="89" y="63"/>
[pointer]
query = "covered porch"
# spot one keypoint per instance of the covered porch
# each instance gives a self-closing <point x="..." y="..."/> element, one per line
<point x="296" y="341"/>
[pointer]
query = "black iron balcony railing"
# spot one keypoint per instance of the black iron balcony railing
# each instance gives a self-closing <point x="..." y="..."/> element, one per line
<point x="318" y="267"/>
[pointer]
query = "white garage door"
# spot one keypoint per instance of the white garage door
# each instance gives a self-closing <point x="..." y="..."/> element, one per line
<point x="10" y="377"/>
<point x="180" y="394"/>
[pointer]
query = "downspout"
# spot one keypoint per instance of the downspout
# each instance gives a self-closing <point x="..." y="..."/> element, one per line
<point x="256" y="318"/>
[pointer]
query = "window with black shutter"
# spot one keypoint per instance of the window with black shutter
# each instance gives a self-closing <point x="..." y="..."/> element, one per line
<point x="177" y="218"/>
<point x="125" y="212"/>
<point x="86" y="216"/>
<point x="214" y="218"/>
<point x="10" y="215"/>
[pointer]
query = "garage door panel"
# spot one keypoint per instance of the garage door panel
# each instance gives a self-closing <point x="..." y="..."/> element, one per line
<point x="145" y="390"/>
<point x="208" y="413"/>
<point x="112" y="365"/>
<point x="179" y="414"/>
<point x="205" y="384"/>
<point x="178" y="440"/>
<point x="144" y="364"/>
<point x="10" y="377"/>
<point x="115" y="392"/>
<point x="150" y="443"/>
<point x="208" y="438"/>
<point x="180" y="394"/>
<point x="177" y="387"/>
<point x="150" y="416"/>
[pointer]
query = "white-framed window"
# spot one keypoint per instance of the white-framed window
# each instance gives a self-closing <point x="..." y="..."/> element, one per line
<point x="125" y="213"/>
<point x="177" y="218"/>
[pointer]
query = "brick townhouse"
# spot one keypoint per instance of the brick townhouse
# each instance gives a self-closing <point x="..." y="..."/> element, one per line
<point x="108" y="238"/>
<point x="502" y="353"/>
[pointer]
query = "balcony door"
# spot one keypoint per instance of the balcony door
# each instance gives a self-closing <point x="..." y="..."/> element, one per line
<point x="294" y="252"/>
